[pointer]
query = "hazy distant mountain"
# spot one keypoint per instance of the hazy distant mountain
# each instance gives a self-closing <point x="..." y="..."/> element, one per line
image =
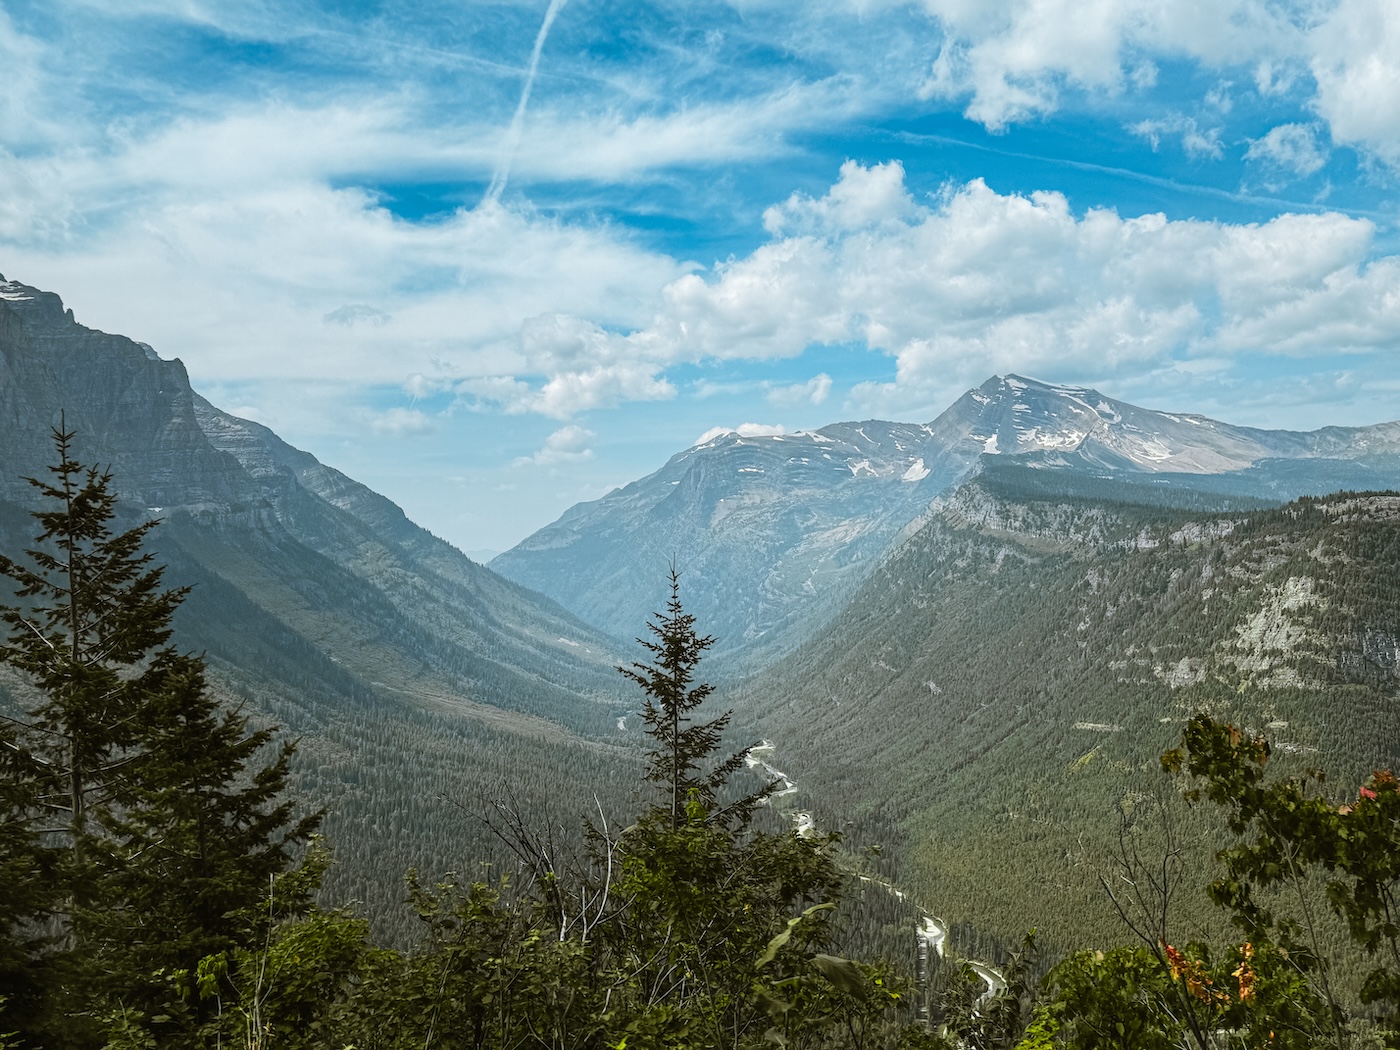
<point x="761" y="527"/>
<point x="773" y="532"/>
<point x="410" y="670"/>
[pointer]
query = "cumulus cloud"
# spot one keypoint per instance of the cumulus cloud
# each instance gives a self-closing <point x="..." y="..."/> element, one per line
<point x="566" y="445"/>
<point x="583" y="365"/>
<point x="1013" y="60"/>
<point x="976" y="281"/>
<point x="1355" y="59"/>
<point x="795" y="395"/>
<point x="863" y="196"/>
<point x="1292" y="147"/>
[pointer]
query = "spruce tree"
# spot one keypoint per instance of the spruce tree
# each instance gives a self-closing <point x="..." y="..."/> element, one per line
<point x="682" y="745"/>
<point x="157" y="819"/>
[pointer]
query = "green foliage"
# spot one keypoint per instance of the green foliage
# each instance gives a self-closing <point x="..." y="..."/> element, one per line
<point x="683" y="745"/>
<point x="1287" y="832"/>
<point x="1277" y="988"/>
<point x="983" y="1018"/>
<point x="137" y="816"/>
<point x="1119" y="998"/>
<point x="697" y="932"/>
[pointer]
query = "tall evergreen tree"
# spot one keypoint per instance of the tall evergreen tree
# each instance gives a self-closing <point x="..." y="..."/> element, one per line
<point x="682" y="745"/>
<point x="718" y="916"/>
<point x="161" y="823"/>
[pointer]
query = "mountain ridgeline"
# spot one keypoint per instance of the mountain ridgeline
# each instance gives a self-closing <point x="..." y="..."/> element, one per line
<point x="409" y="672"/>
<point x="776" y="532"/>
<point x="967" y="641"/>
<point x="1002" y="686"/>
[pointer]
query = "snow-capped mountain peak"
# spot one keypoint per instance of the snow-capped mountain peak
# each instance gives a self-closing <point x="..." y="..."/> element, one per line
<point x="771" y="528"/>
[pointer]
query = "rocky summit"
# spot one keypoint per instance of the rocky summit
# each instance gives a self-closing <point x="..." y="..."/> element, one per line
<point x="773" y="532"/>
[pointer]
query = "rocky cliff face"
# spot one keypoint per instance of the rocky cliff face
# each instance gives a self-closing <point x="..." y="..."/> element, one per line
<point x="408" y="673"/>
<point x="233" y="494"/>
<point x="774" y="532"/>
<point x="133" y="410"/>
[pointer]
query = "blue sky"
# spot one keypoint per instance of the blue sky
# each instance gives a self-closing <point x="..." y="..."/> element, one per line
<point x="493" y="258"/>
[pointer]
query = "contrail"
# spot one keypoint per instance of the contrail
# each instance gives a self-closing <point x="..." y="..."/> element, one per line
<point x="502" y="172"/>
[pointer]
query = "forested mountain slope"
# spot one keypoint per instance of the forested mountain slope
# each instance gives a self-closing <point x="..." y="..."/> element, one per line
<point x="1003" y="685"/>
<point x="409" y="671"/>
<point x="775" y="532"/>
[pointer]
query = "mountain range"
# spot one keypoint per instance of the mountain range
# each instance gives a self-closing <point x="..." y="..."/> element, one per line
<point x="775" y="532"/>
<point x="317" y="602"/>
<point x="990" y="706"/>
<point x="966" y="640"/>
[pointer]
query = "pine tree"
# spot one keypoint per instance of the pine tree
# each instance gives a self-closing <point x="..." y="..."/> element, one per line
<point x="149" y="801"/>
<point x="682" y="744"/>
<point x="705" y="892"/>
<point x="93" y="607"/>
<point x="26" y="899"/>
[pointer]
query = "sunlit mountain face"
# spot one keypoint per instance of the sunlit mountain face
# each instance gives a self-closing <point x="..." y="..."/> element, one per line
<point x="773" y="530"/>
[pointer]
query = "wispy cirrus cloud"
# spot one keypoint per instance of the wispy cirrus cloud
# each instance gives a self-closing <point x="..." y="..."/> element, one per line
<point x="1195" y="140"/>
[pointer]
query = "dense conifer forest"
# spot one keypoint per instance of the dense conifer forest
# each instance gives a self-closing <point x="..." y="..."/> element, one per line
<point x="166" y="884"/>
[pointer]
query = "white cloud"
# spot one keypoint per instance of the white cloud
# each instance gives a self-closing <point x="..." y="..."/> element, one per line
<point x="237" y="221"/>
<point x="1219" y="97"/>
<point x="976" y="282"/>
<point x="796" y="395"/>
<point x="1355" y="59"/>
<point x="953" y="288"/>
<point x="1273" y="78"/>
<point x="1197" y="142"/>
<point x="566" y="445"/>
<point x="1289" y="146"/>
<point x="561" y="143"/>
<point x="1013" y="60"/>
<point x="583" y="366"/>
<point x="861" y="197"/>
<point x="400" y="421"/>
<point x="745" y="430"/>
